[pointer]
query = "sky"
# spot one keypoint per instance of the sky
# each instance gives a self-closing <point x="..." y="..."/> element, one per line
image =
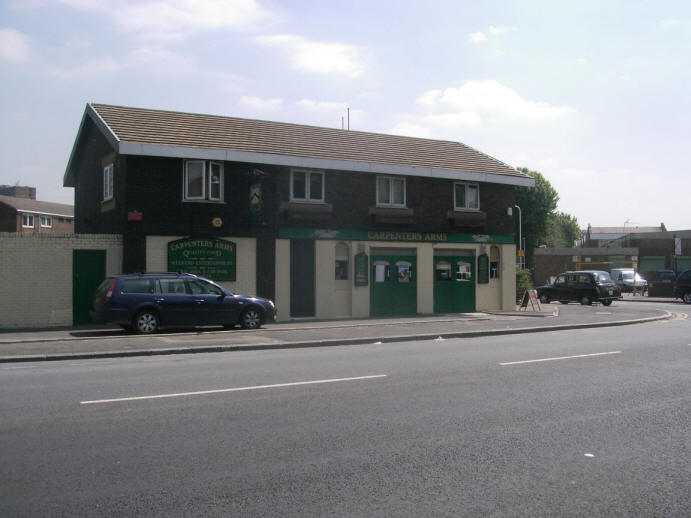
<point x="595" y="95"/>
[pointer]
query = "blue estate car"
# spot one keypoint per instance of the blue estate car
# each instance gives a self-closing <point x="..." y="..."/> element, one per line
<point x="143" y="302"/>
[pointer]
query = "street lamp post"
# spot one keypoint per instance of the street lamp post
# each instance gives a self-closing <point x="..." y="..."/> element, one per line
<point x="520" y="240"/>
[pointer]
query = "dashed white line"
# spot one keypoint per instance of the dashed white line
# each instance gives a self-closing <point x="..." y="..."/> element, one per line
<point x="560" y="358"/>
<point x="236" y="389"/>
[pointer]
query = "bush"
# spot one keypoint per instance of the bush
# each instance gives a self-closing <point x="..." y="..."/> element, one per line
<point x="524" y="282"/>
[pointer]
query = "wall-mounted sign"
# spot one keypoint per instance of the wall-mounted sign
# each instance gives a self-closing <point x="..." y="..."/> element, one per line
<point x="217" y="222"/>
<point x="361" y="276"/>
<point x="256" y="197"/>
<point x="483" y="269"/>
<point x="209" y="257"/>
<point x="391" y="235"/>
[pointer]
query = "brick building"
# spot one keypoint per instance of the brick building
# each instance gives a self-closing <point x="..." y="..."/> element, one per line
<point x="26" y="215"/>
<point x="328" y="223"/>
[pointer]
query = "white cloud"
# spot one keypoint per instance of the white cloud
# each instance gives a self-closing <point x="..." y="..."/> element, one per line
<point x="317" y="57"/>
<point x="492" y="30"/>
<point x="322" y="106"/>
<point x="14" y="45"/>
<point x="454" y="120"/>
<point x="261" y="104"/>
<point x="496" y="31"/>
<point x="490" y="100"/>
<point x="410" y="129"/>
<point x="477" y="37"/>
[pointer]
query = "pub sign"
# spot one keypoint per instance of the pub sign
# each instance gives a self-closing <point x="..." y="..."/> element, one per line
<point x="209" y="257"/>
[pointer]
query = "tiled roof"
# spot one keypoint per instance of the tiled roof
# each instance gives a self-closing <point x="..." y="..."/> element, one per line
<point x="38" y="207"/>
<point x="167" y="128"/>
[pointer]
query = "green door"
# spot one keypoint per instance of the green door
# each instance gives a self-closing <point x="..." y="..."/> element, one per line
<point x="454" y="284"/>
<point x="88" y="271"/>
<point x="394" y="285"/>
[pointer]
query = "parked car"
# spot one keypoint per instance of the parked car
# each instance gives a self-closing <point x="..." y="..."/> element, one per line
<point x="682" y="287"/>
<point x="661" y="283"/>
<point x="143" y="302"/>
<point x="585" y="287"/>
<point x="628" y="279"/>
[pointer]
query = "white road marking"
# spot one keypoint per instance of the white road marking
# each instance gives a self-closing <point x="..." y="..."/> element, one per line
<point x="560" y="358"/>
<point x="237" y="389"/>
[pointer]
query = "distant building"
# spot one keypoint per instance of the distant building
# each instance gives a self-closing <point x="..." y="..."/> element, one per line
<point x="18" y="191"/>
<point x="24" y="214"/>
<point x="608" y="237"/>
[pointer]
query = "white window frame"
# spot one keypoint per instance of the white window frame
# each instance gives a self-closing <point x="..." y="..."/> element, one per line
<point x="48" y="221"/>
<point x="308" y="194"/>
<point x="466" y="186"/>
<point x="29" y="217"/>
<point x="207" y="167"/>
<point x="108" y="182"/>
<point x="391" y="203"/>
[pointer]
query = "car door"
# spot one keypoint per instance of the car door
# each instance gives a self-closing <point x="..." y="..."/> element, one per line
<point x="211" y="304"/>
<point x="175" y="304"/>
<point x="559" y="289"/>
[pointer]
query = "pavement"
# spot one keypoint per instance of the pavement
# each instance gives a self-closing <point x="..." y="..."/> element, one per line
<point x="108" y="342"/>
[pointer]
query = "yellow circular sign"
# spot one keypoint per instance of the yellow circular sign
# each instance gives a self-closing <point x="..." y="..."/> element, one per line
<point x="217" y="222"/>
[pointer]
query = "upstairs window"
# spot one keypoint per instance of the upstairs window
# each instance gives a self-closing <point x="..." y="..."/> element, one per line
<point x="390" y="191"/>
<point x="47" y="221"/>
<point x="28" y="220"/>
<point x="307" y="186"/>
<point x="466" y="196"/>
<point x="108" y="182"/>
<point x="203" y="180"/>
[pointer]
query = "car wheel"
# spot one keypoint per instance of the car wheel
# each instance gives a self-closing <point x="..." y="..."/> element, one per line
<point x="586" y="300"/>
<point x="146" y="322"/>
<point x="686" y="297"/>
<point x="544" y="299"/>
<point x="606" y="302"/>
<point x="251" y="318"/>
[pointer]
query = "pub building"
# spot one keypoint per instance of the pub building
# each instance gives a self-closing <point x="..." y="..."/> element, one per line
<point x="328" y="223"/>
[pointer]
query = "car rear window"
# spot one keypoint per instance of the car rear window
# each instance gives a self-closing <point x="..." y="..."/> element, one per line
<point x="138" y="286"/>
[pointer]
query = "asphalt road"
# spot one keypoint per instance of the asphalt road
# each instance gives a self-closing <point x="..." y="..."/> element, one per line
<point x="571" y="423"/>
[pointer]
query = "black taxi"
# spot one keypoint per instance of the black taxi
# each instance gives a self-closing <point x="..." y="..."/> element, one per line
<point x="585" y="287"/>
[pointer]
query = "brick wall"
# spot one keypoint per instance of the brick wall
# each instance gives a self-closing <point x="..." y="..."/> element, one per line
<point x="552" y="261"/>
<point x="36" y="273"/>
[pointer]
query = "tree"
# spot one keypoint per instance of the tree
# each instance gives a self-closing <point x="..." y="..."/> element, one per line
<point x="537" y="205"/>
<point x="562" y="230"/>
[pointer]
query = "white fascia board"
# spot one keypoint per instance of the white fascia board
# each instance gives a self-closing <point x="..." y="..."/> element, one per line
<point x="41" y="213"/>
<point x="136" y="148"/>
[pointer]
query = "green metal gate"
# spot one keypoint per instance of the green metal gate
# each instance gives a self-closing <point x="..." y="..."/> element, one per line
<point x="394" y="285"/>
<point x="454" y="284"/>
<point x="88" y="271"/>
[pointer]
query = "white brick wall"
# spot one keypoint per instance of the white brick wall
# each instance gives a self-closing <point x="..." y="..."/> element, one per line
<point x="36" y="273"/>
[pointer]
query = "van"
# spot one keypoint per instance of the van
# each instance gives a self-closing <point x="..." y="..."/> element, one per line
<point x="627" y="279"/>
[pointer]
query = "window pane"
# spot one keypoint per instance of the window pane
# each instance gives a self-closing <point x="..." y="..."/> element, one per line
<point x="473" y="197"/>
<point x="214" y="181"/>
<point x="316" y="186"/>
<point x="399" y="192"/>
<point x="299" y="186"/>
<point x="463" y="271"/>
<point x="195" y="180"/>
<point x="381" y="273"/>
<point x="460" y="195"/>
<point x="383" y="186"/>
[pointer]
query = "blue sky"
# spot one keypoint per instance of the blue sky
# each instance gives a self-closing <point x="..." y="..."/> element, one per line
<point x="594" y="95"/>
